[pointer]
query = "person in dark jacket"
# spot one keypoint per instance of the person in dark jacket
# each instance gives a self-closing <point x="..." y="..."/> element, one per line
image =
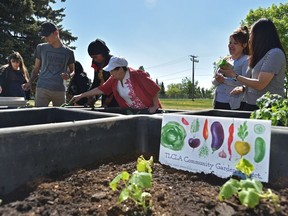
<point x="100" y="54"/>
<point x="79" y="83"/>
<point x="12" y="76"/>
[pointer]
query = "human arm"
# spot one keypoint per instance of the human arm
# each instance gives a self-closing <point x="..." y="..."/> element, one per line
<point x="92" y="92"/>
<point x="155" y="106"/>
<point x="218" y="79"/>
<point x="260" y="83"/>
<point x="34" y="75"/>
<point x="69" y="74"/>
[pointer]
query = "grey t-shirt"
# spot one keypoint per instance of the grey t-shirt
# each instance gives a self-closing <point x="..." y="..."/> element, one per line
<point x="54" y="61"/>
<point x="273" y="62"/>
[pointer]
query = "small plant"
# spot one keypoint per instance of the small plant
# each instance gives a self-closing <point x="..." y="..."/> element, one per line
<point x="272" y="107"/>
<point x="249" y="191"/>
<point x="135" y="186"/>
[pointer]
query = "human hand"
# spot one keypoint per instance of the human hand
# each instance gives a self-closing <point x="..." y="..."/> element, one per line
<point x="153" y="109"/>
<point x="219" y="77"/>
<point x="0" y="89"/>
<point x="65" y="76"/>
<point x="228" y="73"/>
<point x="237" y="90"/>
<point x="26" y="86"/>
<point x="91" y="101"/>
<point x="76" y="98"/>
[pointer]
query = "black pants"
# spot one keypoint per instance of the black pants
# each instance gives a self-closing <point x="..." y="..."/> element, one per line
<point x="250" y="107"/>
<point x="219" y="105"/>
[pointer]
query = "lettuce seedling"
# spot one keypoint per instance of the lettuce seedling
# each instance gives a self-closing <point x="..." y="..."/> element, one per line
<point x="249" y="191"/>
<point x="136" y="184"/>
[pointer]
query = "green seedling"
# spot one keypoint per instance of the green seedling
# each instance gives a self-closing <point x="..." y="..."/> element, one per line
<point x="135" y="185"/>
<point x="249" y="191"/>
<point x="70" y="103"/>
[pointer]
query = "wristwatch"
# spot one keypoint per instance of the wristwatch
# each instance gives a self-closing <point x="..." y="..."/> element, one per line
<point x="236" y="77"/>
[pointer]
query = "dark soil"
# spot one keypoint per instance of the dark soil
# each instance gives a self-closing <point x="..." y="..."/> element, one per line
<point x="174" y="192"/>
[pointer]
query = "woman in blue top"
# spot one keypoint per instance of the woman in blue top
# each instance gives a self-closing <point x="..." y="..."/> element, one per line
<point x="267" y="64"/>
<point x="12" y="76"/>
<point x="229" y="92"/>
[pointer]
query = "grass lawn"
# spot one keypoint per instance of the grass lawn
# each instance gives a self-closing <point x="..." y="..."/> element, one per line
<point x="186" y="104"/>
<point x="175" y="104"/>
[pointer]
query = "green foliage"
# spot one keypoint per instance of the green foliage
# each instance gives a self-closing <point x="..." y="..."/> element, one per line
<point x="184" y="90"/>
<point x="162" y="90"/>
<point x="249" y="191"/>
<point x="20" y="24"/>
<point x="135" y="186"/>
<point x="243" y="131"/>
<point x="272" y="107"/>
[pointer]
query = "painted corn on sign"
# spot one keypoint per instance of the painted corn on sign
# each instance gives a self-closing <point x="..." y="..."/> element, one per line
<point x="215" y="144"/>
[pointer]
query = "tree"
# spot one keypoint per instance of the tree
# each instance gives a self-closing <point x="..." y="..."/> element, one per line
<point x="174" y="90"/>
<point x="187" y="87"/>
<point x="20" y="23"/>
<point x="279" y="16"/>
<point x="162" y="90"/>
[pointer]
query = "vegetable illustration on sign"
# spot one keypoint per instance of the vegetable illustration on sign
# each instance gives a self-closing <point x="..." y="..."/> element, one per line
<point x="173" y="135"/>
<point x="217" y="134"/>
<point x="204" y="151"/>
<point x="184" y="121"/>
<point x="194" y="142"/>
<point x="230" y="139"/>
<point x="260" y="146"/>
<point x="259" y="128"/>
<point x="242" y="147"/>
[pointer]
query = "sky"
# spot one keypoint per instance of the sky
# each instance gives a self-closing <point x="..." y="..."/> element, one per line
<point x="159" y="34"/>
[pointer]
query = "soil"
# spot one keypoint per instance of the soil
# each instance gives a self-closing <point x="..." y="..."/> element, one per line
<point x="174" y="192"/>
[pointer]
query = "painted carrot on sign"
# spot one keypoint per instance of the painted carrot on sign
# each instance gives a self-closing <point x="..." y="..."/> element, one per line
<point x="205" y="130"/>
<point x="230" y="139"/>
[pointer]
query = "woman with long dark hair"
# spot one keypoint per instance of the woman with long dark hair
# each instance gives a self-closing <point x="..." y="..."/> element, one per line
<point x="12" y="76"/>
<point x="267" y="63"/>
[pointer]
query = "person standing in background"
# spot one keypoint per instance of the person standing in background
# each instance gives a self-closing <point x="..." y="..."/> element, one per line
<point x="54" y="63"/>
<point x="12" y="76"/>
<point x="229" y="93"/>
<point x="267" y="64"/>
<point x="79" y="83"/>
<point x="100" y="54"/>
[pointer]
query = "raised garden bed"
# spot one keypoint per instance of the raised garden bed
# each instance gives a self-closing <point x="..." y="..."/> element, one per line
<point x="50" y="154"/>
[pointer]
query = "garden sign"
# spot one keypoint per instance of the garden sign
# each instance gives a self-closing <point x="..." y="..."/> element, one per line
<point x="215" y="144"/>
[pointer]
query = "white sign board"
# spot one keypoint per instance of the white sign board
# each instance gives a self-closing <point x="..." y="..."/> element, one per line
<point x="215" y="144"/>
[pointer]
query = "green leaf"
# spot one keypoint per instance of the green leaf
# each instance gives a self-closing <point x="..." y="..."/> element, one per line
<point x="251" y="183"/>
<point x="122" y="176"/>
<point x="144" y="165"/>
<point x="141" y="179"/>
<point x="124" y="195"/>
<point x="245" y="166"/>
<point x="229" y="189"/>
<point x="249" y="197"/>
